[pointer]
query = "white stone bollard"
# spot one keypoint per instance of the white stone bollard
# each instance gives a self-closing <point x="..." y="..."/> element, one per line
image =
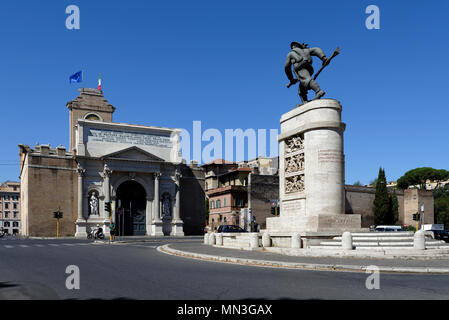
<point x="296" y="240"/>
<point x="346" y="241"/>
<point x="254" y="240"/>
<point x="206" y="238"/>
<point x="266" y="240"/>
<point x="212" y="239"/>
<point x="219" y="239"/>
<point x="419" y="240"/>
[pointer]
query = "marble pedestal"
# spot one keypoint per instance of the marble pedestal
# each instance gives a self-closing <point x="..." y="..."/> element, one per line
<point x="157" y="228"/>
<point x="177" y="228"/>
<point x="311" y="171"/>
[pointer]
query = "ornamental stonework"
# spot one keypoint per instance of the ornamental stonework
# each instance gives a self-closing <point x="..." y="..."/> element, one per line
<point x="294" y="164"/>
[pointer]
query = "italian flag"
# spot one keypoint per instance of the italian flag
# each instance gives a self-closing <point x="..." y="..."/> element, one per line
<point x="99" y="82"/>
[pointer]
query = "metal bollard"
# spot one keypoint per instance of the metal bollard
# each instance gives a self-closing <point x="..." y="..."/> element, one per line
<point x="346" y="241"/>
<point x="419" y="240"/>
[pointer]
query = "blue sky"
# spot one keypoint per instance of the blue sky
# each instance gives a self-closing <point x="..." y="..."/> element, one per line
<point x="221" y="62"/>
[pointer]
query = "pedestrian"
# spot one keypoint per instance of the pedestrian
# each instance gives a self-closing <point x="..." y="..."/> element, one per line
<point x="112" y="231"/>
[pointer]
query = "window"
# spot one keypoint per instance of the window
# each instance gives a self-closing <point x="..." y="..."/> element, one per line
<point x="6" y="214"/>
<point x="15" y="224"/>
<point x="212" y="204"/>
<point x="6" y="205"/>
<point x="224" y="219"/>
<point x="7" y="197"/>
<point x="224" y="202"/>
<point x="14" y="205"/>
<point x="92" y="117"/>
<point x="15" y="214"/>
<point x="218" y="204"/>
<point x="7" y="224"/>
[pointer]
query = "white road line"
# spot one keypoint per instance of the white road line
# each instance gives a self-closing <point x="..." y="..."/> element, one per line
<point x="24" y="246"/>
<point x="53" y="244"/>
<point x="38" y="245"/>
<point x="9" y="247"/>
<point x="68" y="244"/>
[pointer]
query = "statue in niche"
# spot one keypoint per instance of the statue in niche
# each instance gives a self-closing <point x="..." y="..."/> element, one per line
<point x="166" y="206"/>
<point x="93" y="204"/>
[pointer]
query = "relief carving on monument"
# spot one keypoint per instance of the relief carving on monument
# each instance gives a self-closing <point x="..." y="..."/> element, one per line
<point x="294" y="184"/>
<point x="294" y="143"/>
<point x="294" y="164"/>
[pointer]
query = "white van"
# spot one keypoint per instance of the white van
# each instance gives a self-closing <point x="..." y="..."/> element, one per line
<point x="388" y="228"/>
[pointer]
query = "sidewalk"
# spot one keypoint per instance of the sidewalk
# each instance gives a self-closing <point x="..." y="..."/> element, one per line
<point x="265" y="259"/>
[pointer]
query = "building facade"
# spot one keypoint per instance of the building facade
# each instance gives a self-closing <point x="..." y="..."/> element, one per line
<point x="233" y="187"/>
<point x="138" y="169"/>
<point x="10" y="207"/>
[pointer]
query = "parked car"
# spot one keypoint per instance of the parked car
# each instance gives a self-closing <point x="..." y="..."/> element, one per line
<point x="441" y="235"/>
<point x="229" y="228"/>
<point x="389" y="228"/>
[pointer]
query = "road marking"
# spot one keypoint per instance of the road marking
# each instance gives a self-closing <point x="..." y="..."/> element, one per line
<point x="68" y="244"/>
<point x="24" y="246"/>
<point x="39" y="245"/>
<point x="8" y="247"/>
<point x="143" y="246"/>
<point x="53" y="244"/>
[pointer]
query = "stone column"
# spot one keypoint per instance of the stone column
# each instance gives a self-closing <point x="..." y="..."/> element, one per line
<point x="107" y="197"/>
<point x="177" y="223"/>
<point x="81" y="221"/>
<point x="156" y="227"/>
<point x="148" y="215"/>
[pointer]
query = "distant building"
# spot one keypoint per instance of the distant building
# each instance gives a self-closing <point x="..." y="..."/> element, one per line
<point x="10" y="207"/>
<point x="231" y="187"/>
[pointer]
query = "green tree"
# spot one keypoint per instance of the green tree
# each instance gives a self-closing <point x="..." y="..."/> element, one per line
<point x="386" y="205"/>
<point x="419" y="176"/>
<point x="394" y="207"/>
<point x="441" y="205"/>
<point x="357" y="183"/>
<point x="382" y="202"/>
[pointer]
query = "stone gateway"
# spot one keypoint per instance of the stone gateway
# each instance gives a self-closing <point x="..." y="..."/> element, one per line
<point x="138" y="169"/>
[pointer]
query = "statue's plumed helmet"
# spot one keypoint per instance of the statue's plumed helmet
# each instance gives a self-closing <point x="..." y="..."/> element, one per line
<point x="297" y="44"/>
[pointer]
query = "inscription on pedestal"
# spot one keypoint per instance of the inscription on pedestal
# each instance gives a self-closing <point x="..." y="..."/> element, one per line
<point x="291" y="207"/>
<point x="115" y="136"/>
<point x="330" y="155"/>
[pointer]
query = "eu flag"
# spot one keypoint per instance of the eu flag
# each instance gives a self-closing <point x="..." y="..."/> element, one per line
<point x="77" y="77"/>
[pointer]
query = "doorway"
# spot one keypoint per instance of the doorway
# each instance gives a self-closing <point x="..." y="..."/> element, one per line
<point x="131" y="202"/>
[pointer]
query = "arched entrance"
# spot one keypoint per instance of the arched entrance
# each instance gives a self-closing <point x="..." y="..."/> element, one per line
<point x="131" y="204"/>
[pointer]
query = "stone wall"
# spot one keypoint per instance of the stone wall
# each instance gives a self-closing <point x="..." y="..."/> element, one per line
<point x="193" y="211"/>
<point x="262" y="189"/>
<point x="49" y="183"/>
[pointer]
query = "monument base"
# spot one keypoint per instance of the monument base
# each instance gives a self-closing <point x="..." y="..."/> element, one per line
<point x="320" y="223"/>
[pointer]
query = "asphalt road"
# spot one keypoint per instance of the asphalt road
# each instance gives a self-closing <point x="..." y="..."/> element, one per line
<point x="36" y="269"/>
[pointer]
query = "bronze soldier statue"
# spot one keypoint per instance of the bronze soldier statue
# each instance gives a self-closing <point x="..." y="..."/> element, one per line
<point x="300" y="57"/>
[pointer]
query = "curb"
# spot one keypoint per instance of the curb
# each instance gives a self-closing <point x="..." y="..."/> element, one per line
<point x="296" y="265"/>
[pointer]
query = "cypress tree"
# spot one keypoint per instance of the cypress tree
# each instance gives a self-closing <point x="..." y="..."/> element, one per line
<point x="382" y="201"/>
